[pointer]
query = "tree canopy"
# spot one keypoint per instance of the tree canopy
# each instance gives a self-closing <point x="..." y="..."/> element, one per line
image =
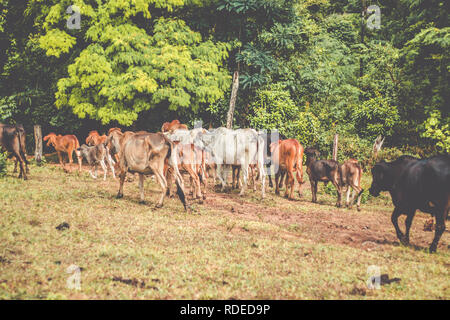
<point x="310" y="68"/>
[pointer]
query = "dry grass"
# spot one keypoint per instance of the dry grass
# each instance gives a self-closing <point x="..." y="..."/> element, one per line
<point x="228" y="247"/>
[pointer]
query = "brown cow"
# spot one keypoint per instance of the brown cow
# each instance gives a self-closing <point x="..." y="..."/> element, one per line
<point x="172" y="126"/>
<point x="94" y="138"/>
<point x="146" y="154"/>
<point x="64" y="144"/>
<point x="351" y="173"/>
<point x="12" y="139"/>
<point x="322" y="170"/>
<point x="288" y="156"/>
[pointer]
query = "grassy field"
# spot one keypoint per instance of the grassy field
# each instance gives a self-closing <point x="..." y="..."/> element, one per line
<point x="229" y="247"/>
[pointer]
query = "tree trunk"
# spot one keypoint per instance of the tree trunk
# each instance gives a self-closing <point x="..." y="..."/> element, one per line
<point x="234" y="90"/>
<point x="335" y="146"/>
<point x="38" y="143"/>
<point x="363" y="15"/>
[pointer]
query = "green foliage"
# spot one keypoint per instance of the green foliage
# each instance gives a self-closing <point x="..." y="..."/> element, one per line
<point x="3" y="163"/>
<point x="274" y="109"/>
<point x="126" y="69"/>
<point x="375" y="117"/>
<point x="438" y="129"/>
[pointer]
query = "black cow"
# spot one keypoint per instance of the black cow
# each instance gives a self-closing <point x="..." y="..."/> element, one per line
<point x="415" y="184"/>
<point x="12" y="139"/>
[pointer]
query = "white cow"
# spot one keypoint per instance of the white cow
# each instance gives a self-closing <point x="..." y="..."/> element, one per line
<point x="240" y="147"/>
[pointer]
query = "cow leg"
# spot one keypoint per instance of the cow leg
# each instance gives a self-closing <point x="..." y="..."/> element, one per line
<point x="204" y="182"/>
<point x="300" y="182"/>
<point x="408" y="223"/>
<point x="169" y="180"/>
<point x="277" y="185"/>
<point x="219" y="173"/>
<point x="15" y="165"/>
<point x="90" y="171"/>
<point x="195" y="182"/>
<point x="262" y="174"/>
<point x="61" y="160"/>
<point x="254" y="178"/>
<point x="111" y="164"/>
<point x="122" y="176"/>
<point x="347" y="200"/>
<point x="282" y="178"/>
<point x="394" y="218"/>
<point x="141" y="189"/>
<point x="289" y="183"/>
<point x="244" y="169"/>
<point x="69" y="156"/>
<point x="339" y="193"/>
<point x="313" y="190"/>
<point x="79" y="158"/>
<point x="356" y="192"/>
<point x="21" y="164"/>
<point x="105" y="169"/>
<point x="440" y="227"/>
<point x="162" y="181"/>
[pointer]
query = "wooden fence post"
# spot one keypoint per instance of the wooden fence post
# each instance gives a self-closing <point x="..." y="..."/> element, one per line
<point x="335" y="146"/>
<point x="38" y="143"/>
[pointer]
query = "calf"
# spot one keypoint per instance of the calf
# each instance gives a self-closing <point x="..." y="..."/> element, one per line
<point x="64" y="144"/>
<point x="12" y="139"/>
<point x="322" y="170"/>
<point x="415" y="184"/>
<point x="95" y="155"/>
<point x="287" y="155"/>
<point x="351" y="173"/>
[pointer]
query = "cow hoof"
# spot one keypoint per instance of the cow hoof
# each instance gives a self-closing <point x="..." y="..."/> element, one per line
<point x="358" y="208"/>
<point x="404" y="241"/>
<point x="159" y="205"/>
<point x="432" y="249"/>
<point x="119" y="196"/>
<point x="141" y="201"/>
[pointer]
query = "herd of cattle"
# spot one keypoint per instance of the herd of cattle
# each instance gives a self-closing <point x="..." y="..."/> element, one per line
<point x="413" y="183"/>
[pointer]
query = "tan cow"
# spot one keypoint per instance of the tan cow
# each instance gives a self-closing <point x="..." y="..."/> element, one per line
<point x="351" y="174"/>
<point x="146" y="154"/>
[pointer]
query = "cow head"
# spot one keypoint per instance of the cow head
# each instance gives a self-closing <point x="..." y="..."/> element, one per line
<point x="380" y="179"/>
<point x="51" y="137"/>
<point x="311" y="154"/>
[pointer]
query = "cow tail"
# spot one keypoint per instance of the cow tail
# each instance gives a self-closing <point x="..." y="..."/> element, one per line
<point x="172" y="158"/>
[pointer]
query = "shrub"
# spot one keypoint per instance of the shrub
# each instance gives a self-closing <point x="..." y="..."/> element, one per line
<point x="3" y="158"/>
<point x="375" y="117"/>
<point x="274" y="109"/>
